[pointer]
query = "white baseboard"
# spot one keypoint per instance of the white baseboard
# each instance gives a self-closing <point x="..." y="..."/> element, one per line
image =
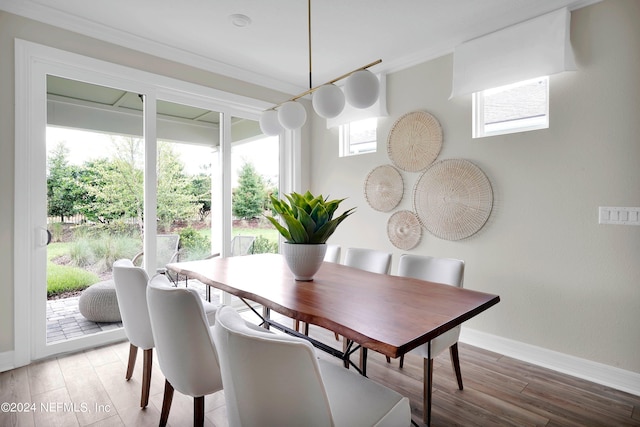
<point x="6" y="361"/>
<point x="599" y="373"/>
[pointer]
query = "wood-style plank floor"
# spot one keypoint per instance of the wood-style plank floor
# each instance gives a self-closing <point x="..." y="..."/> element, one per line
<point x="89" y="389"/>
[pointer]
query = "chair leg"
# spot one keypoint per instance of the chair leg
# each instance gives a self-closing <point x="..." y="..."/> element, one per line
<point x="337" y="336"/>
<point x="198" y="411"/>
<point x="296" y="325"/>
<point x="133" y="353"/>
<point x="455" y="363"/>
<point x="363" y="360"/>
<point x="166" y="403"/>
<point x="146" y="377"/>
<point x="426" y="392"/>
<point x="388" y="359"/>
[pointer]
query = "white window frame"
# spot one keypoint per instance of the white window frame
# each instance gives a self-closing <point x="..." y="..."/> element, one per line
<point x="480" y="130"/>
<point x="344" y="133"/>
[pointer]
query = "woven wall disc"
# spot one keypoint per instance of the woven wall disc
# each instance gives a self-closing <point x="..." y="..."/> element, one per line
<point x="383" y="188"/>
<point x="453" y="199"/>
<point x="414" y="141"/>
<point x="404" y="230"/>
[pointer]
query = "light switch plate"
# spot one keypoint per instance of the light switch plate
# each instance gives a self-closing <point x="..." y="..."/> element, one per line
<point x="618" y="215"/>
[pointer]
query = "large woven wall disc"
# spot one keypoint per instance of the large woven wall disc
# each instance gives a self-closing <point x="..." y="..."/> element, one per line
<point x="404" y="230"/>
<point x="383" y="188"/>
<point x="453" y="199"/>
<point x="414" y="141"/>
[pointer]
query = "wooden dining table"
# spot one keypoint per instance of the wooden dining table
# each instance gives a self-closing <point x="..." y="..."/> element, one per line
<point x="386" y="313"/>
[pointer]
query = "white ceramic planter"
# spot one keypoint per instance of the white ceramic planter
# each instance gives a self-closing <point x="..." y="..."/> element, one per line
<point x="304" y="261"/>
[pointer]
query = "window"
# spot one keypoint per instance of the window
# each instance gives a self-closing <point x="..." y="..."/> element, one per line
<point x="517" y="107"/>
<point x="358" y="137"/>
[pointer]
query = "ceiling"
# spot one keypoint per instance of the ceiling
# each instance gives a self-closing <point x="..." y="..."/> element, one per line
<point x="273" y="49"/>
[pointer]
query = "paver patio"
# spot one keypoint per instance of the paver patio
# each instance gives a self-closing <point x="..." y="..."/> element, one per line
<point x="64" y="320"/>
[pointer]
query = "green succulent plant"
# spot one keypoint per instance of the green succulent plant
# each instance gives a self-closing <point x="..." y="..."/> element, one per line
<point x="308" y="219"/>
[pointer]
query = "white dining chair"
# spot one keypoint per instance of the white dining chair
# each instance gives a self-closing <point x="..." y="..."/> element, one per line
<point x="131" y="286"/>
<point x="332" y="254"/>
<point x="441" y="270"/>
<point x="277" y="380"/>
<point x="184" y="343"/>
<point x="368" y="259"/>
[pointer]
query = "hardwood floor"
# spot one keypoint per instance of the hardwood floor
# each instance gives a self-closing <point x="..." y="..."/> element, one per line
<point x="89" y="389"/>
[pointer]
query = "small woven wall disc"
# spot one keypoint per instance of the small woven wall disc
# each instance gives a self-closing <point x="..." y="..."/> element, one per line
<point x="383" y="188"/>
<point x="453" y="199"/>
<point x="404" y="230"/>
<point x="414" y="142"/>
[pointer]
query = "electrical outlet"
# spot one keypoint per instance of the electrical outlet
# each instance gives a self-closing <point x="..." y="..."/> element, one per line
<point x="618" y="215"/>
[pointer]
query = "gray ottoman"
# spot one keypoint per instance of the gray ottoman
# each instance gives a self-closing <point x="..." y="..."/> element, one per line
<point x="99" y="302"/>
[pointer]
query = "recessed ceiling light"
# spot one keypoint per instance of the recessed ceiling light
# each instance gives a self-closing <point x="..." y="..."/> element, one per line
<point x="240" y="20"/>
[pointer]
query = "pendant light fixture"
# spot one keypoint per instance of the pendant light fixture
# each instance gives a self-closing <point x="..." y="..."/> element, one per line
<point x="361" y="90"/>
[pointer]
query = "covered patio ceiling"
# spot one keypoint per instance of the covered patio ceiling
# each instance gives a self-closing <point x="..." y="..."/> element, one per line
<point x="80" y="105"/>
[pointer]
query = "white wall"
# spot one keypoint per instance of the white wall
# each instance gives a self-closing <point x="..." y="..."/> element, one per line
<point x="566" y="283"/>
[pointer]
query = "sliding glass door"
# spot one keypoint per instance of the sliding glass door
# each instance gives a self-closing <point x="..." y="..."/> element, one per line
<point x="111" y="163"/>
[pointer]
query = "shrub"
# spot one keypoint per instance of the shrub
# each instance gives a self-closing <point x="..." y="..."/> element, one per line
<point x="57" y="230"/>
<point x="102" y="250"/>
<point x="193" y="245"/>
<point x="81" y="252"/>
<point x="107" y="249"/>
<point x="262" y="245"/>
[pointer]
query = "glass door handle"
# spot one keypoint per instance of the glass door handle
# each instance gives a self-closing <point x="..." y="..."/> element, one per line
<point x="43" y="237"/>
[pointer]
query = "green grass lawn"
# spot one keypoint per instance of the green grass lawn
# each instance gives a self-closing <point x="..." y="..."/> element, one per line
<point x="64" y="278"/>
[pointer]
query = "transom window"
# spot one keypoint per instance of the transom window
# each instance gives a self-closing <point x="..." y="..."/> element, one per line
<point x="517" y="107"/>
<point x="358" y="137"/>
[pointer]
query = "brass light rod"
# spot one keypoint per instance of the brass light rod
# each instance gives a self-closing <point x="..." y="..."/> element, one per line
<point x="313" y="89"/>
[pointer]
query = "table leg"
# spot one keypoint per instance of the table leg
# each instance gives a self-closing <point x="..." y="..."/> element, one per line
<point x="266" y="312"/>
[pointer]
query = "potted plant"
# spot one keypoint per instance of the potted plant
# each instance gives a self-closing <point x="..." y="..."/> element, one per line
<point x="308" y="223"/>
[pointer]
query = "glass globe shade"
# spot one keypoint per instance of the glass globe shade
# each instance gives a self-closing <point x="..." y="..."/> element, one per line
<point x="292" y="115"/>
<point x="361" y="89"/>
<point x="269" y="123"/>
<point x="328" y="101"/>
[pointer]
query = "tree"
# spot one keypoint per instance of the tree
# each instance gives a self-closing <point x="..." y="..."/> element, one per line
<point x="200" y="188"/>
<point x="248" y="198"/>
<point x="114" y="190"/>
<point x="175" y="201"/>
<point x="114" y="187"/>
<point x="64" y="191"/>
